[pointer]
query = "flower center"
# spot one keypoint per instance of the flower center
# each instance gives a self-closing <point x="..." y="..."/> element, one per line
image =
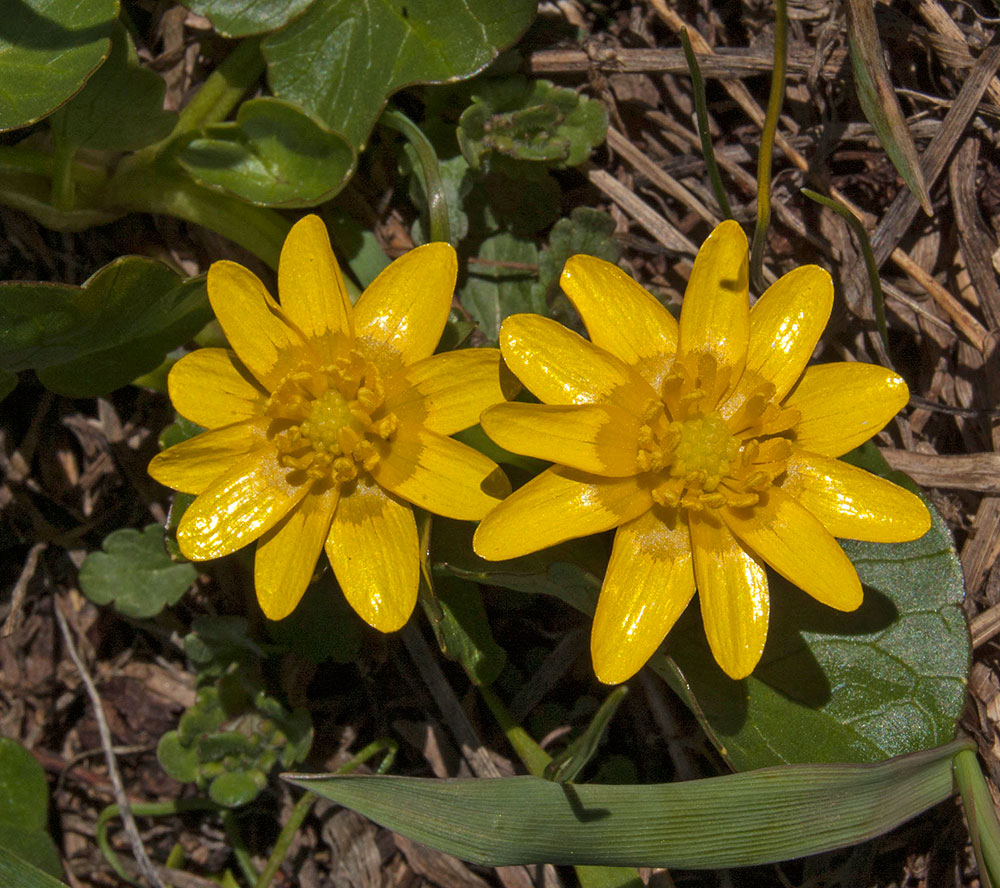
<point x="699" y="459"/>
<point x="328" y="421"/>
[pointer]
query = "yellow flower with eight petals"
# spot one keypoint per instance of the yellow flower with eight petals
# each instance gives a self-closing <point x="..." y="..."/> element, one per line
<point x="708" y="444"/>
<point x="326" y="422"/>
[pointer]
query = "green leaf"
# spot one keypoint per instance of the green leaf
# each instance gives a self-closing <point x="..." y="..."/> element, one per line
<point x="135" y="573"/>
<point x="465" y="630"/>
<point x="342" y="59"/>
<point x="48" y="48"/>
<point x="356" y="245"/>
<point x="272" y="155"/>
<point x="323" y="626"/>
<point x="235" y="788"/>
<point x="16" y="871"/>
<point x="878" y="98"/>
<point x="179" y="760"/>
<point x="122" y="321"/>
<point x="24" y="810"/>
<point x="121" y="106"/>
<point x="566" y="767"/>
<point x="238" y="18"/>
<point x="494" y="291"/>
<point x="457" y="184"/>
<point x="736" y="820"/>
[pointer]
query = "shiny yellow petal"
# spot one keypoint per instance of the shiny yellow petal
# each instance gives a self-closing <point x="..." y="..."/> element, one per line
<point x="286" y="554"/>
<point x="210" y="388"/>
<point x="253" y="322"/>
<point x="596" y="438"/>
<point x="852" y="503"/>
<point x="843" y="405"/>
<point x="446" y="393"/>
<point x="311" y="287"/>
<point x="561" y="367"/>
<point x="559" y="505"/>
<point x="375" y="554"/>
<point x="440" y="474"/>
<point x="649" y="582"/>
<point x="785" y="325"/>
<point x="732" y="592"/>
<point x="796" y="545"/>
<point x="401" y="316"/>
<point x="715" y="314"/>
<point x="238" y="508"/>
<point x="621" y="316"/>
<point x="193" y="465"/>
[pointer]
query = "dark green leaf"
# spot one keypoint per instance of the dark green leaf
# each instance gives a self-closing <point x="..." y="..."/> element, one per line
<point x="356" y="245"/>
<point x="24" y="806"/>
<point x="457" y="184"/>
<point x="121" y="106"/>
<point x="494" y="290"/>
<point x="566" y="767"/>
<point x="465" y="630"/>
<point x="16" y="871"/>
<point x="48" y="48"/>
<point x="520" y="196"/>
<point x="238" y="18"/>
<point x="273" y="155"/>
<point x="8" y="382"/>
<point x="135" y="573"/>
<point x="323" y="626"/>
<point x="342" y="59"/>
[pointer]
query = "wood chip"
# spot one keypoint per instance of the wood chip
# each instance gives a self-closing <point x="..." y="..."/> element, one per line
<point x="961" y="471"/>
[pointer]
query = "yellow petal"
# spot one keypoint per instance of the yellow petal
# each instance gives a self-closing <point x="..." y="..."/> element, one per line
<point x="732" y="592"/>
<point x="286" y="554"/>
<point x="446" y="393"/>
<point x="210" y="388"/>
<point x="440" y="474"/>
<point x="401" y="316"/>
<point x="311" y="287"/>
<point x="375" y="554"/>
<point x="785" y="325"/>
<point x="561" y="367"/>
<point x="621" y="316"/>
<point x="715" y="315"/>
<point x="596" y="438"/>
<point x="238" y="508"/>
<point x="649" y="582"/>
<point x="558" y="505"/>
<point x="193" y="465"/>
<point x="843" y="405"/>
<point x="253" y="322"/>
<point x="796" y="545"/>
<point x="852" y="503"/>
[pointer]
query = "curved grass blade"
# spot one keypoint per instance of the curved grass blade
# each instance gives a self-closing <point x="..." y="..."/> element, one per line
<point x="742" y="819"/>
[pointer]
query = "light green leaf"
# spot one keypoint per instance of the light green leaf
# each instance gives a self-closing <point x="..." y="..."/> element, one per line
<point x="48" y="48"/>
<point x="135" y="573"/>
<point x="343" y="58"/>
<point x="238" y="18"/>
<point x="273" y="155"/>
<point x="121" y="106"/>
<point x="737" y="820"/>
<point x="24" y="807"/>
<point x="494" y="290"/>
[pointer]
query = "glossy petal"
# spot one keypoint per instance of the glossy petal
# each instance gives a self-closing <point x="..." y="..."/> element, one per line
<point x="596" y="438"/>
<point x="785" y="325"/>
<point x="605" y="295"/>
<point x="210" y="388"/>
<point x="843" y="405"/>
<point x="795" y="544"/>
<point x="852" y="503"/>
<point x="561" y="367"/>
<point x="440" y="474"/>
<point x="715" y="314"/>
<point x="446" y="393"/>
<point x="254" y="324"/>
<point x="311" y="287"/>
<point x="649" y="582"/>
<point x="375" y="555"/>
<point x="399" y="319"/>
<point x="193" y="465"/>
<point x="559" y="505"/>
<point x="237" y="508"/>
<point x="732" y="592"/>
<point x="286" y="554"/>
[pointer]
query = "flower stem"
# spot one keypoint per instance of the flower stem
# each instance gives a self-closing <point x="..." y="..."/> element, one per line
<point x="223" y="89"/>
<point x="774" y="103"/>
<point x="981" y="814"/>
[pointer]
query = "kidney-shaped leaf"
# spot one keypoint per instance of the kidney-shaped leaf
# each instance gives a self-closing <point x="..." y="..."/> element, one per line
<point x="48" y="48"/>
<point x="273" y="155"/>
<point x="343" y="58"/>
<point x="237" y="18"/>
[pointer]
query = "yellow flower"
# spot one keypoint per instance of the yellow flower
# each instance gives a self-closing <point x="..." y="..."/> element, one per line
<point x="708" y="444"/>
<point x="326" y="422"/>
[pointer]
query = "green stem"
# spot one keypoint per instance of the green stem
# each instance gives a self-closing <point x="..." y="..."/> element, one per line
<point x="15" y="158"/>
<point x="437" y="203"/>
<point x="701" y="109"/>
<point x="240" y="851"/>
<point x="774" y="103"/>
<point x="63" y="187"/>
<point x="223" y="89"/>
<point x="981" y="815"/>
